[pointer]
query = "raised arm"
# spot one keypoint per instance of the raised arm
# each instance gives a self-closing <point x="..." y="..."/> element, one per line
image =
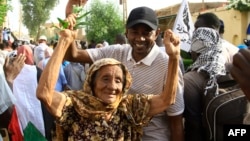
<point x="160" y="102"/>
<point x="12" y="68"/>
<point x="54" y="101"/>
<point x="70" y="16"/>
<point x="240" y="70"/>
<point x="70" y="4"/>
<point x="73" y="54"/>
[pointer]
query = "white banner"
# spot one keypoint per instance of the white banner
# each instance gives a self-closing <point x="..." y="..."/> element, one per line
<point x="184" y="26"/>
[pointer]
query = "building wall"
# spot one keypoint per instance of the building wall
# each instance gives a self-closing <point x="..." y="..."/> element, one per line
<point x="235" y="23"/>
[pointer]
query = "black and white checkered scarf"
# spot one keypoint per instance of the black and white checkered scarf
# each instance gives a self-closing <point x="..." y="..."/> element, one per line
<point x="210" y="59"/>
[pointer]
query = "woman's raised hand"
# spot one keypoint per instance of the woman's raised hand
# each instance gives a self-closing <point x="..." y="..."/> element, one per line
<point x="172" y="43"/>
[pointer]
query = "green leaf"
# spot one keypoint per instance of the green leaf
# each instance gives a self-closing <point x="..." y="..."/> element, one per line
<point x="80" y="25"/>
<point x="83" y="15"/>
<point x="64" y="24"/>
<point x="77" y="9"/>
<point x="54" y="26"/>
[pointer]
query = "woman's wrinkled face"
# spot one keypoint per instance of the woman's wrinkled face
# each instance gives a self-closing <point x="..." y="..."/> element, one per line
<point x="108" y="83"/>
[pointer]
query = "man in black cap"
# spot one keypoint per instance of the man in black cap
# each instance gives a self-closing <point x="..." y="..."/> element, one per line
<point x="146" y="63"/>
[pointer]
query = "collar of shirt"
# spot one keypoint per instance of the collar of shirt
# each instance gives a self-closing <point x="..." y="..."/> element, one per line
<point x="149" y="58"/>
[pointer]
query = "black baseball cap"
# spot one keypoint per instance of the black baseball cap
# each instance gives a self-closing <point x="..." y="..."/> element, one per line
<point x="143" y="15"/>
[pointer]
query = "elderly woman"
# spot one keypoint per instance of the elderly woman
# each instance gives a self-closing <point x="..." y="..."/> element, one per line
<point x="103" y="110"/>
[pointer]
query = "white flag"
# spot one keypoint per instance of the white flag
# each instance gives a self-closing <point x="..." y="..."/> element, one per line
<point x="184" y="26"/>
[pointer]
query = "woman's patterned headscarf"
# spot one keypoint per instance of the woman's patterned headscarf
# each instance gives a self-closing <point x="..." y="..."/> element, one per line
<point x="210" y="59"/>
<point x="89" y="106"/>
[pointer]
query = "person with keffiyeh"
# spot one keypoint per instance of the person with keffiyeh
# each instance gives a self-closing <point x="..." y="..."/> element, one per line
<point x="204" y="77"/>
<point x="209" y="64"/>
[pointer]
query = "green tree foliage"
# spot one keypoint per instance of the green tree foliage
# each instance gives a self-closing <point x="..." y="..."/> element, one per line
<point x="36" y="13"/>
<point x="4" y="7"/>
<point x="241" y="5"/>
<point x="105" y="21"/>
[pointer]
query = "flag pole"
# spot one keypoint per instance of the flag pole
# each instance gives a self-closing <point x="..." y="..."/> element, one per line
<point x="124" y="5"/>
<point x="203" y="5"/>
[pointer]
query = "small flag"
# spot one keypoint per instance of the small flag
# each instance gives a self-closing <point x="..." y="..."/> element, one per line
<point x="184" y="26"/>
